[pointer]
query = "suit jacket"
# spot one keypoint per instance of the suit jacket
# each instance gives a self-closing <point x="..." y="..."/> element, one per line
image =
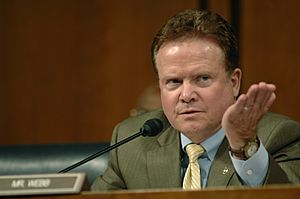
<point x="155" y="162"/>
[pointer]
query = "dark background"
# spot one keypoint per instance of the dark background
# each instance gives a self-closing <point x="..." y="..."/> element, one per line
<point x="71" y="69"/>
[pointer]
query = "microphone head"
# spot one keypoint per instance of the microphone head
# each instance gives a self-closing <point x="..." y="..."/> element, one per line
<point x="152" y="127"/>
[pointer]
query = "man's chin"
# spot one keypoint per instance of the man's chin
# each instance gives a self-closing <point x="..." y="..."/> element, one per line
<point x="190" y="125"/>
<point x="192" y="129"/>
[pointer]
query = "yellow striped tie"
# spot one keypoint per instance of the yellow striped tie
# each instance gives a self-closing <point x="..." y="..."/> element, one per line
<point x="192" y="178"/>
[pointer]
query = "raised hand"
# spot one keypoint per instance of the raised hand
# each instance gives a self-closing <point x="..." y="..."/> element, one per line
<point x="240" y="119"/>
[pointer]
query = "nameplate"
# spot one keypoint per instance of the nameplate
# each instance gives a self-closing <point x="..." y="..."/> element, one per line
<point x="40" y="184"/>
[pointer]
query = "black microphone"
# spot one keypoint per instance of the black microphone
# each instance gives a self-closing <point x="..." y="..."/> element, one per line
<point x="150" y="128"/>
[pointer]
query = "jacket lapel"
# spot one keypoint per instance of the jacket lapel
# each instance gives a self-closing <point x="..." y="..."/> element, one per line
<point x="222" y="169"/>
<point x="163" y="162"/>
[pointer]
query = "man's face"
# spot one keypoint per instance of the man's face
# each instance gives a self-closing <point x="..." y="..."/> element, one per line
<point x="195" y="88"/>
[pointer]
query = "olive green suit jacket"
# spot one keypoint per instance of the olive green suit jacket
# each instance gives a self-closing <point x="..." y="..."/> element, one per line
<point x="155" y="162"/>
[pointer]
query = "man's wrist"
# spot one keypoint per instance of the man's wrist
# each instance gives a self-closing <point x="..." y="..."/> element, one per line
<point x="247" y="151"/>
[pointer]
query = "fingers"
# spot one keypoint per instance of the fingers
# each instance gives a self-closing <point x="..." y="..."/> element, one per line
<point x="270" y="97"/>
<point x="270" y="102"/>
<point x="260" y="97"/>
<point x="241" y="103"/>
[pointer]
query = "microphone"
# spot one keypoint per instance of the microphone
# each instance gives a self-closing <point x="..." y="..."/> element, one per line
<point x="150" y="128"/>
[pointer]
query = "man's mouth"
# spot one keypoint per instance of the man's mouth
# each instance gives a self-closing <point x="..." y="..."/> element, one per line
<point x="186" y="112"/>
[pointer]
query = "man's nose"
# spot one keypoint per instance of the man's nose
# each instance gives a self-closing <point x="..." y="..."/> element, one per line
<point x="188" y="92"/>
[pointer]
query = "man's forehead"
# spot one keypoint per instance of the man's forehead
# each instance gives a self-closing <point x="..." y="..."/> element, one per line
<point x="172" y="50"/>
<point x="193" y="46"/>
<point x="183" y="40"/>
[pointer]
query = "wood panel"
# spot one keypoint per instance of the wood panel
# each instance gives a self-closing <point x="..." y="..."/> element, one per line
<point x="270" y="46"/>
<point x="71" y="69"/>
<point x="223" y="8"/>
<point x="274" y="192"/>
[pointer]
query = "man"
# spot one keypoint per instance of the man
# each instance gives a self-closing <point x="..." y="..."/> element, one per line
<point x="195" y="56"/>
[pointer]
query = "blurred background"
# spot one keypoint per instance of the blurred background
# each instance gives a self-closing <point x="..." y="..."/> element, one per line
<point x="72" y="69"/>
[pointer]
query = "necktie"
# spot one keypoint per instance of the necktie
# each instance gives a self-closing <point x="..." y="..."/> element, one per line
<point x="192" y="178"/>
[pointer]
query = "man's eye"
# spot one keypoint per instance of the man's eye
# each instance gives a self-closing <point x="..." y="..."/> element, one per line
<point x="204" y="80"/>
<point x="172" y="83"/>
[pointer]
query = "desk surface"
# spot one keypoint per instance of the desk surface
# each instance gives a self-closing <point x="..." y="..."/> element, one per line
<point x="273" y="192"/>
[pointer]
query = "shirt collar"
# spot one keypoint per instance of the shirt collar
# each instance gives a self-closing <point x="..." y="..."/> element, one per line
<point x="210" y="145"/>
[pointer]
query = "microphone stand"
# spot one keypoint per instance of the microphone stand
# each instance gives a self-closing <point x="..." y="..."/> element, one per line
<point x="73" y="166"/>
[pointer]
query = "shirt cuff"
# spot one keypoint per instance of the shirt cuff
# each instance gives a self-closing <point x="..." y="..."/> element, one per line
<point x="254" y="170"/>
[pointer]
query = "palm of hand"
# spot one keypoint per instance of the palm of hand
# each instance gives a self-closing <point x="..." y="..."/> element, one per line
<point x="240" y="120"/>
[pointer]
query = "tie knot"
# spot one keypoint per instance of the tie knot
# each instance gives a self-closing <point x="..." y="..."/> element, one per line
<point x="194" y="151"/>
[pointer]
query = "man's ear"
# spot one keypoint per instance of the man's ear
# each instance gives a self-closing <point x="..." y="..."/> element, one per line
<point x="236" y="77"/>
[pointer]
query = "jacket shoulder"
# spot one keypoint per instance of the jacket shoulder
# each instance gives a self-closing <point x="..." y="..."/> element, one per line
<point x="273" y="120"/>
<point x="133" y="125"/>
<point x="277" y="130"/>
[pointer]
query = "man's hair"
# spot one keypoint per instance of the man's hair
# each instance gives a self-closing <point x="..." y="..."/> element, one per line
<point x="199" y="24"/>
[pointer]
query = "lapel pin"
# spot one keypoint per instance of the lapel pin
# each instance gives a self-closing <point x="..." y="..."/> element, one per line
<point x="225" y="171"/>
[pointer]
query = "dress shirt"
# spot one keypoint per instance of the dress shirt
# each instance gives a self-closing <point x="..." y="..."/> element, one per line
<point x="251" y="171"/>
